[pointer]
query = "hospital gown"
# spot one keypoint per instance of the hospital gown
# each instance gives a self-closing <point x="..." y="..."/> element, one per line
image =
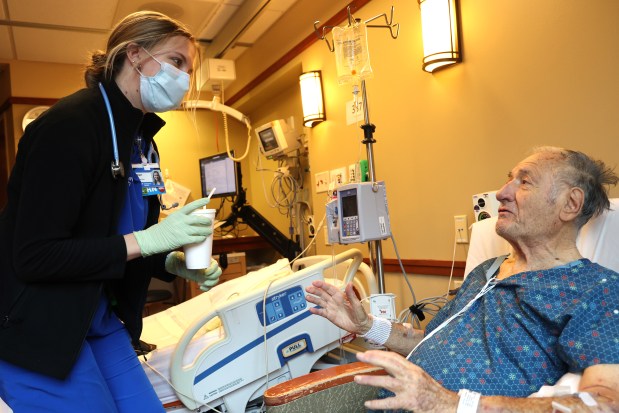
<point x="528" y="331"/>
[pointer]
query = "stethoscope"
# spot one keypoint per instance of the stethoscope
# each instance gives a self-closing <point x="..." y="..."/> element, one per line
<point x="118" y="170"/>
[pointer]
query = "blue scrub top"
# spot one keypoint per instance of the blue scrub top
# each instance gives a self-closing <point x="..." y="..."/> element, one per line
<point x="135" y="208"/>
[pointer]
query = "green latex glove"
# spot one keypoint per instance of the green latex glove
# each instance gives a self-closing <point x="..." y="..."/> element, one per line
<point x="206" y="278"/>
<point x="178" y="229"/>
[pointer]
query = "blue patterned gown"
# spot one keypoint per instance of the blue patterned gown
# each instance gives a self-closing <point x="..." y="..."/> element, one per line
<point x="528" y="331"/>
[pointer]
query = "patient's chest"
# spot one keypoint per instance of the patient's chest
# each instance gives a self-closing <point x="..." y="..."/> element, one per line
<point x="526" y="332"/>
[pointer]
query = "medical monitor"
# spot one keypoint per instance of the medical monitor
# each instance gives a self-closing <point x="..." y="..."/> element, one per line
<point x="276" y="138"/>
<point x="220" y="172"/>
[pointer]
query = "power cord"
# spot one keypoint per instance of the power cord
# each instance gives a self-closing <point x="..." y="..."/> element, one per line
<point x="178" y="391"/>
<point x="416" y="311"/>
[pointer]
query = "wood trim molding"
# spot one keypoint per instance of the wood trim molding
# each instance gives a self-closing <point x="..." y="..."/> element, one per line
<point x="425" y="267"/>
<point x="338" y="18"/>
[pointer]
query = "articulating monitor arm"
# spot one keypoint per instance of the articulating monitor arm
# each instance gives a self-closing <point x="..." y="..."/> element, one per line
<point x="285" y="246"/>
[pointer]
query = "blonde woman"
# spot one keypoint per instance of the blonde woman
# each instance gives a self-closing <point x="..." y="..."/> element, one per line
<point x="74" y="274"/>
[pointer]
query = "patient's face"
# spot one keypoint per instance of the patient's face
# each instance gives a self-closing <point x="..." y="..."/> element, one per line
<point x="529" y="210"/>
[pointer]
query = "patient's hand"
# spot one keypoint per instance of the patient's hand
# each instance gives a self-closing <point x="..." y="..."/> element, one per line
<point x="414" y="389"/>
<point x="343" y="310"/>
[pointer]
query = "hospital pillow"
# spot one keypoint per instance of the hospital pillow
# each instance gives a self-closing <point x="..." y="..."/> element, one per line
<point x="598" y="240"/>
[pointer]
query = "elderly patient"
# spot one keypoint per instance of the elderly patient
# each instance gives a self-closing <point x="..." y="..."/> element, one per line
<point x="540" y="312"/>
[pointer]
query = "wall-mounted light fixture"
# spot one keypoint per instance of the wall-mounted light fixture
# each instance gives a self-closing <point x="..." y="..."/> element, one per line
<point x="439" y="25"/>
<point x="312" y="98"/>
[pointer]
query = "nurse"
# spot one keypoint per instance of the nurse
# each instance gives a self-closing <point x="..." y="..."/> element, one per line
<point x="77" y="256"/>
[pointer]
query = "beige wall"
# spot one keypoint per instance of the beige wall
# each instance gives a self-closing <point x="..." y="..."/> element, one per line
<point x="187" y="137"/>
<point x="534" y="73"/>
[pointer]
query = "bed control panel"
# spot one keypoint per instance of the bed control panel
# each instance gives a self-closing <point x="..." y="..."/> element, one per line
<point x="281" y="305"/>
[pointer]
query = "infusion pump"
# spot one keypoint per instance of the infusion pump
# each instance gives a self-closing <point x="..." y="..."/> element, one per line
<point x="358" y="214"/>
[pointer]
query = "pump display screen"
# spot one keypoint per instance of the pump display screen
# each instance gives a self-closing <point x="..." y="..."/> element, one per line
<point x="267" y="137"/>
<point x="349" y="204"/>
<point x="350" y="213"/>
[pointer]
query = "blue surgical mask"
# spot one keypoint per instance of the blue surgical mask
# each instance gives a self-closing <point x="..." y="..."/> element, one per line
<point x="165" y="90"/>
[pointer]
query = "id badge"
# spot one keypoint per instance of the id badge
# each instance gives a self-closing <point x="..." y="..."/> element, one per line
<point x="151" y="178"/>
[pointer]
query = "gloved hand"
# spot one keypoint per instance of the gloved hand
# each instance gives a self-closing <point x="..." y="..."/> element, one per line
<point x="178" y="229"/>
<point x="206" y="278"/>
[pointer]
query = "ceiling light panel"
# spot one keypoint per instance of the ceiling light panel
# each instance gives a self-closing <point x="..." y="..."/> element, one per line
<point x="75" y="13"/>
<point x="58" y="47"/>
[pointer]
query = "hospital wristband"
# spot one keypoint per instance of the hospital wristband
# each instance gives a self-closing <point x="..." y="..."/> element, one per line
<point x="469" y="400"/>
<point x="379" y="332"/>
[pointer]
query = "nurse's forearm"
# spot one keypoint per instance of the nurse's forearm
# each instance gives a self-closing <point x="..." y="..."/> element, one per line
<point x="133" y="249"/>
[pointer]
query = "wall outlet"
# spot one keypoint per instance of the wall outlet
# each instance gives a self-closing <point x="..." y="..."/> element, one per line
<point x="322" y="181"/>
<point x="462" y="230"/>
<point x="353" y="173"/>
<point x="311" y="227"/>
<point x="337" y="176"/>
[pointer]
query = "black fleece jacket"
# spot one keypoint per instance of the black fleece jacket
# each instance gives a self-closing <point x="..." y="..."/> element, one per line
<point x="59" y="250"/>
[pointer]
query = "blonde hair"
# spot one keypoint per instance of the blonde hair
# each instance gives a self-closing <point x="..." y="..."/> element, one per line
<point x="144" y="28"/>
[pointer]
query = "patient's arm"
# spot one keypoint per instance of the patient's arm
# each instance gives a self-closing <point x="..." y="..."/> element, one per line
<point x="415" y="390"/>
<point x="345" y="311"/>
<point x="601" y="382"/>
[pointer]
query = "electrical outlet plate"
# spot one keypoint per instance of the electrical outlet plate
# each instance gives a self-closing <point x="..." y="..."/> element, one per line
<point x="461" y="227"/>
<point x="353" y="173"/>
<point x="322" y="181"/>
<point x="311" y="227"/>
<point x="337" y="177"/>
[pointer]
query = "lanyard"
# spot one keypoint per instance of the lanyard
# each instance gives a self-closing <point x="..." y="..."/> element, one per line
<point x="117" y="166"/>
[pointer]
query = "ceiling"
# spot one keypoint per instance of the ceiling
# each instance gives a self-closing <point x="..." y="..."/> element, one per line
<point x="66" y="31"/>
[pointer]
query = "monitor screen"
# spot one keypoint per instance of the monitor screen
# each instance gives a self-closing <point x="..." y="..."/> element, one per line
<point x="220" y="172"/>
<point x="268" y="139"/>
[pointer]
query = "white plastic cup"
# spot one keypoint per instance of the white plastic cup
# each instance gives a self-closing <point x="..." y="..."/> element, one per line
<point x="198" y="255"/>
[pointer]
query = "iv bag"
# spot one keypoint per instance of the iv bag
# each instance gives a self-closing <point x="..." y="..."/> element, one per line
<point x="351" y="53"/>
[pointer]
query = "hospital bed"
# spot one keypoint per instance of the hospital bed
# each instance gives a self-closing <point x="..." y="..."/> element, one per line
<point x="221" y="348"/>
<point x="334" y="390"/>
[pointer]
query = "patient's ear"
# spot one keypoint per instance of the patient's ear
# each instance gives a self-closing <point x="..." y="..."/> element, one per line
<point x="574" y="201"/>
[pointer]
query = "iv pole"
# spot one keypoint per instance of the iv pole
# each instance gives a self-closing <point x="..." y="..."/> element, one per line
<point x="375" y="247"/>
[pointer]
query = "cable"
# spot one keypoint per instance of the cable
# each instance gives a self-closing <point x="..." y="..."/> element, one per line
<point x="199" y="403"/>
<point x="415" y="312"/>
<point x="226" y="134"/>
<point x="397" y="254"/>
<point x="264" y="190"/>
<point x="485" y="289"/>
<point x="264" y="325"/>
